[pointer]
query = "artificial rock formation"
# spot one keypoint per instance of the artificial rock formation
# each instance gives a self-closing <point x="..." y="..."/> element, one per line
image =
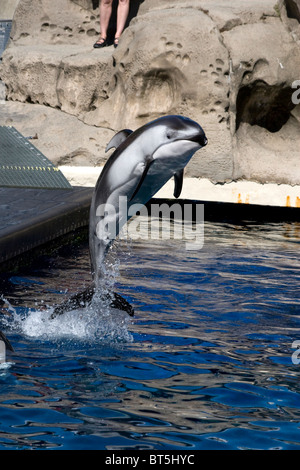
<point x="230" y="66"/>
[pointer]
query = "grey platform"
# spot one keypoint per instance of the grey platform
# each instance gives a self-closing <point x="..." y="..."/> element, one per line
<point x="30" y="218"/>
<point x="23" y="165"/>
<point x="37" y="203"/>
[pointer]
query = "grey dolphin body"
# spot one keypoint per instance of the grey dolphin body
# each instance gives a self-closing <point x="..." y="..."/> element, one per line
<point x="143" y="161"/>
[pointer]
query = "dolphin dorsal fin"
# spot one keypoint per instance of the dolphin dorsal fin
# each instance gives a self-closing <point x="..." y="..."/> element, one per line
<point x="178" y="177"/>
<point x="117" y="139"/>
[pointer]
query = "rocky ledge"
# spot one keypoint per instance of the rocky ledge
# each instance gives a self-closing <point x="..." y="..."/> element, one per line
<point x="231" y="66"/>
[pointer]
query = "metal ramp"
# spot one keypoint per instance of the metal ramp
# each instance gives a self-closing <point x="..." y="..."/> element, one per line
<point x="23" y="166"/>
<point x="5" y="28"/>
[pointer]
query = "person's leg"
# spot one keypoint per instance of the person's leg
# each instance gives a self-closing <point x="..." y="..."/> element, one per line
<point x="122" y="14"/>
<point x="105" y="14"/>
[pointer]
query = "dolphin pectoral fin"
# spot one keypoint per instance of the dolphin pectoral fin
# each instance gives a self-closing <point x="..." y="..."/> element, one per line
<point x="149" y="162"/>
<point x="117" y="139"/>
<point x="178" y="177"/>
<point x="6" y="342"/>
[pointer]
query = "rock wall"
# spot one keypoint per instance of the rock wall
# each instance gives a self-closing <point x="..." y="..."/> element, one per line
<point x="230" y="66"/>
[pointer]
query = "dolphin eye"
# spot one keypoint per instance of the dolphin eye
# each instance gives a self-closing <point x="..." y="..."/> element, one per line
<point x="170" y="134"/>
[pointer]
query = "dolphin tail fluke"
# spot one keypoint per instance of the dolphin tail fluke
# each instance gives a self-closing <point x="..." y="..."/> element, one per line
<point x="79" y="300"/>
<point x="84" y="298"/>
<point x="6" y="342"/>
<point x="119" y="302"/>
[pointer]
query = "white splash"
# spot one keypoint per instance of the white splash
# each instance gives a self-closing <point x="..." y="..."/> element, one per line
<point x="96" y="323"/>
<point x="4" y="366"/>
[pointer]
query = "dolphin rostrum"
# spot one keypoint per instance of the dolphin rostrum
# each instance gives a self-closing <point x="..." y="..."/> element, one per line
<point x="143" y="161"/>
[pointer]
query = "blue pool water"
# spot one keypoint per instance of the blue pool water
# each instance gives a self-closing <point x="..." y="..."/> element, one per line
<point x="208" y="362"/>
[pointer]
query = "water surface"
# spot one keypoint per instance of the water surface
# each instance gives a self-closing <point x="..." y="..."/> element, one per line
<point x="206" y="363"/>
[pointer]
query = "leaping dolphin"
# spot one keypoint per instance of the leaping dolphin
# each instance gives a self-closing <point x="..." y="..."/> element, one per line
<point x="143" y="161"/>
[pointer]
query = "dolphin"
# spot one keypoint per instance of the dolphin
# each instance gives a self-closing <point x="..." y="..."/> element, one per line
<point x="142" y="162"/>
<point x="4" y="345"/>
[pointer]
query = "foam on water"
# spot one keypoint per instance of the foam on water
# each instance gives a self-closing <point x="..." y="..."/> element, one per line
<point x="93" y="324"/>
<point x="4" y="366"/>
<point x="211" y="366"/>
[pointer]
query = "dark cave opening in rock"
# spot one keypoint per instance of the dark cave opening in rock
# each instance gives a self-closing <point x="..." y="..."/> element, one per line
<point x="264" y="105"/>
<point x="292" y="9"/>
